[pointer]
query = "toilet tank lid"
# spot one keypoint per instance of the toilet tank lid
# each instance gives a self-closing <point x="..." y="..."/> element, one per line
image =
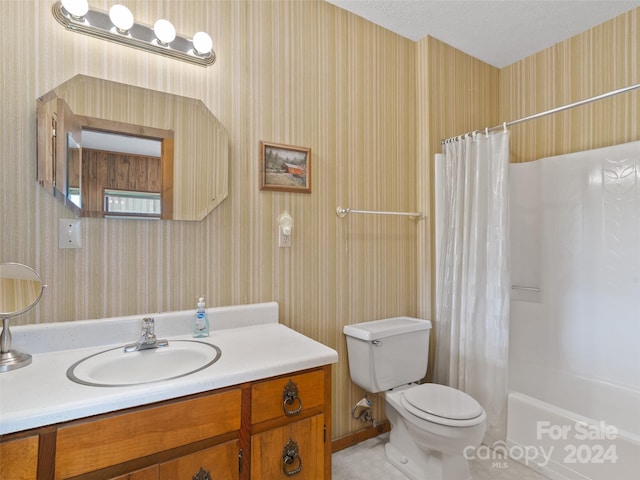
<point x="386" y="327"/>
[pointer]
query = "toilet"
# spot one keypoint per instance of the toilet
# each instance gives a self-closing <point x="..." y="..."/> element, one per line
<point x="432" y="426"/>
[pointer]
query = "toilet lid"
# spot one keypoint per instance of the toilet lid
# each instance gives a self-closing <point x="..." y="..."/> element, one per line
<point x="443" y="401"/>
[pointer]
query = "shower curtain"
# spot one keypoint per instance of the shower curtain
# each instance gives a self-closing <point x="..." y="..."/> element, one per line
<point x="472" y="272"/>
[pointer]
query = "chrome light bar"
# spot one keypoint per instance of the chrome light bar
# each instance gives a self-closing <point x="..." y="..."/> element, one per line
<point x="98" y="24"/>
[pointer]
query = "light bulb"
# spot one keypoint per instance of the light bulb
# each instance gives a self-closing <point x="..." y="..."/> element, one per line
<point x="77" y="8"/>
<point x="202" y="43"/>
<point x="121" y="17"/>
<point x="165" y="31"/>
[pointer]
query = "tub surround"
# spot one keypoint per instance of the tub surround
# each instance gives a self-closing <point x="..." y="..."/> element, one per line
<point x="254" y="346"/>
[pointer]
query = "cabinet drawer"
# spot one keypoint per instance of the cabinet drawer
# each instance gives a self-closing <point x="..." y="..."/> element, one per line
<point x="97" y="444"/>
<point x="221" y="462"/>
<point x="268" y="400"/>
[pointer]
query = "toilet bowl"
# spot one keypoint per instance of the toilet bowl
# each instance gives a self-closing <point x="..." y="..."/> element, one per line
<point x="432" y="426"/>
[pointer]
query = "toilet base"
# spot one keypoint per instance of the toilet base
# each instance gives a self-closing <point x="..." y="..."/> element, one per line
<point x="403" y="463"/>
<point x="418" y="466"/>
<point x="420" y="463"/>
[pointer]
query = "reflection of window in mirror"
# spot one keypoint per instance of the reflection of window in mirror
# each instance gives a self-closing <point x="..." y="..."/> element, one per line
<point x="121" y="175"/>
<point x="126" y="203"/>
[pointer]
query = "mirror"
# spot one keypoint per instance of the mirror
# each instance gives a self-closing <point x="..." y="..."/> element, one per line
<point x="74" y="177"/>
<point x="20" y="290"/>
<point x="184" y="178"/>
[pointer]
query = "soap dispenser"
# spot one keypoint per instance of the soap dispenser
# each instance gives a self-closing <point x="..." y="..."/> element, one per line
<point x="201" y="321"/>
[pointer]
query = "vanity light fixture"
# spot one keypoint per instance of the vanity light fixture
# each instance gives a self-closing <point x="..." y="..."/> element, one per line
<point x="118" y="25"/>
<point x="165" y="31"/>
<point x="121" y="17"/>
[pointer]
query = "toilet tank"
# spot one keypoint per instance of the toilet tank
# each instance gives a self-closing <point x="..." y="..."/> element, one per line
<point x="387" y="353"/>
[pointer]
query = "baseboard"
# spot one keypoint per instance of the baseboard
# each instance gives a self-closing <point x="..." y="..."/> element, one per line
<point x="359" y="436"/>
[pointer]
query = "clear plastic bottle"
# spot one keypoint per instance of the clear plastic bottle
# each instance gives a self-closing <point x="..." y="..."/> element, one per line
<point x="201" y="321"/>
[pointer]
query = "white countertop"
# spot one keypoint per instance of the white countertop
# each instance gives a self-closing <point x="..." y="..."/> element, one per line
<point x="254" y="346"/>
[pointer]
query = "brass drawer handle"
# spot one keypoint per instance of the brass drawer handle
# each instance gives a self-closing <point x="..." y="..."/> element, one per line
<point x="291" y="461"/>
<point x="290" y="396"/>
<point x="202" y="475"/>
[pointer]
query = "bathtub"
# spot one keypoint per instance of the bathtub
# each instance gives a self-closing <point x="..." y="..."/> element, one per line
<point x="564" y="420"/>
<point x="563" y="443"/>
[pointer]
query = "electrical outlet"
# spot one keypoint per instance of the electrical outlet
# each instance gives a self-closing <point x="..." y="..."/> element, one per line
<point x="285" y="230"/>
<point x="283" y="239"/>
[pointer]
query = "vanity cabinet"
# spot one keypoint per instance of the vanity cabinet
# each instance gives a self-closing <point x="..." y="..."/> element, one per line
<point x="150" y="473"/>
<point x="290" y="424"/>
<point x="277" y="428"/>
<point x="19" y="459"/>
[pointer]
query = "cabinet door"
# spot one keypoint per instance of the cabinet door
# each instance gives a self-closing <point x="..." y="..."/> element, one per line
<point x="19" y="459"/>
<point x="293" y="451"/>
<point x="215" y="463"/>
<point x="150" y="473"/>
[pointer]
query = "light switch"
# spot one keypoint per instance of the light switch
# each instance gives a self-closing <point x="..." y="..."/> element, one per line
<point x="69" y="235"/>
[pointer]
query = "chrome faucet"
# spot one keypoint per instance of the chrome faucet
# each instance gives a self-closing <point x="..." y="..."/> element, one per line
<point x="147" y="338"/>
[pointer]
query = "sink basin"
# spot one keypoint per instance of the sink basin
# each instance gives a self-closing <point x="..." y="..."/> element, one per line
<point x="115" y="368"/>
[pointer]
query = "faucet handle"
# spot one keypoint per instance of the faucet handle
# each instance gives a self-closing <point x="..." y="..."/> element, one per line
<point x="148" y="325"/>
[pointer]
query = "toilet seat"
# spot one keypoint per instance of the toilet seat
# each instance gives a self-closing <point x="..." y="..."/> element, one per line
<point x="442" y="405"/>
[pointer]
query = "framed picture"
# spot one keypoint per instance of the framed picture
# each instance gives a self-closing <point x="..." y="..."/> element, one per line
<point x="285" y="168"/>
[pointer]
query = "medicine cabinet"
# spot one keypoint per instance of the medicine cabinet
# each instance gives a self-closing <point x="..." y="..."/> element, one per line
<point x="107" y="149"/>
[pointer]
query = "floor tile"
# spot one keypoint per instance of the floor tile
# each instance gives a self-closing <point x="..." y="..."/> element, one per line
<point x="366" y="461"/>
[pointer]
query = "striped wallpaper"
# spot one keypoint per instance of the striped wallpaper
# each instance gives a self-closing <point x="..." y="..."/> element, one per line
<point x="302" y="73"/>
<point x="372" y="107"/>
<point x="602" y="59"/>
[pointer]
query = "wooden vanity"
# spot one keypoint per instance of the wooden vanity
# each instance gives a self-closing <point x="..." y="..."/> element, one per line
<point x="262" y="411"/>
<point x="264" y="430"/>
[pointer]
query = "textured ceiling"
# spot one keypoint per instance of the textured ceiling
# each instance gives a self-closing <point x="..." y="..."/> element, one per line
<point x="497" y="32"/>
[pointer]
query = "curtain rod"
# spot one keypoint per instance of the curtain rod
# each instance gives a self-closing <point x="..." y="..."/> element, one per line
<point x="555" y="110"/>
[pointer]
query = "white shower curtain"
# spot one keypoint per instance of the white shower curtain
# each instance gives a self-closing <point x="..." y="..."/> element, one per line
<point x="472" y="273"/>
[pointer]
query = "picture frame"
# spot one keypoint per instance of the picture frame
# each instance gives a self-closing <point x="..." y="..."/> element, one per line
<point x="285" y="168"/>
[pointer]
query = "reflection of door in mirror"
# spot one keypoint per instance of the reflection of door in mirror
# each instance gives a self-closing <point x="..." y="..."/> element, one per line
<point x="55" y="122"/>
<point x="68" y="132"/>
<point x="98" y="173"/>
<point x="56" y="125"/>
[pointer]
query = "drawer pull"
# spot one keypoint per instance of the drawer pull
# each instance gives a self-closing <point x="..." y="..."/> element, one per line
<point x="290" y="397"/>
<point x="291" y="461"/>
<point x="202" y="475"/>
